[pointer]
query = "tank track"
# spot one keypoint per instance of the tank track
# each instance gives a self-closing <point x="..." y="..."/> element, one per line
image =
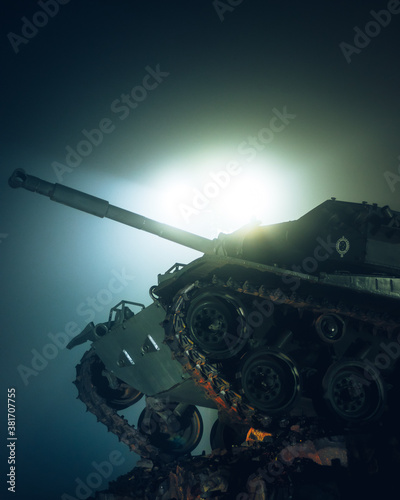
<point x="118" y="425"/>
<point x="381" y="326"/>
<point x="219" y="387"/>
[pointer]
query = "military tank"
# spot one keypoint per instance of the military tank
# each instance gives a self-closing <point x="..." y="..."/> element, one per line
<point x="274" y="325"/>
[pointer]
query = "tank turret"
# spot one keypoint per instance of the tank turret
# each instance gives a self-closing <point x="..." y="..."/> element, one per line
<point x="296" y="321"/>
<point x="337" y="235"/>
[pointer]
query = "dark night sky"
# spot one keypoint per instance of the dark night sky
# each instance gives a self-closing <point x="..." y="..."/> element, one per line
<point x="222" y="82"/>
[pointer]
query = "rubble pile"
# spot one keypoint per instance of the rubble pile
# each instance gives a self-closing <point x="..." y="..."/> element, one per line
<point x="262" y="466"/>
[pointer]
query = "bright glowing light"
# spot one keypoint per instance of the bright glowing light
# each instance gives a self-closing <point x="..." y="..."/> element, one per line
<point x="217" y="190"/>
<point x="244" y="200"/>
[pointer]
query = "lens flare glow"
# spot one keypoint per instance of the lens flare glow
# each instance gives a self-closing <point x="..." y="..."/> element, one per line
<point x="218" y="190"/>
<point x="243" y="201"/>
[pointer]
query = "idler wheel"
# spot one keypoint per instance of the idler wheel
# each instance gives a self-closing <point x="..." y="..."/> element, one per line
<point x="215" y="326"/>
<point x="330" y="328"/>
<point x="270" y="381"/>
<point x="352" y="394"/>
<point x="118" y="397"/>
<point x="177" y="435"/>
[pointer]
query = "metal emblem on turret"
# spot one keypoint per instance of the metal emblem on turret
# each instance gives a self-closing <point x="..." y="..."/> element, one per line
<point x="342" y="246"/>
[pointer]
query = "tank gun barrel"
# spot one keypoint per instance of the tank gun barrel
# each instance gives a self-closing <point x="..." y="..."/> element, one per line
<point x="101" y="208"/>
